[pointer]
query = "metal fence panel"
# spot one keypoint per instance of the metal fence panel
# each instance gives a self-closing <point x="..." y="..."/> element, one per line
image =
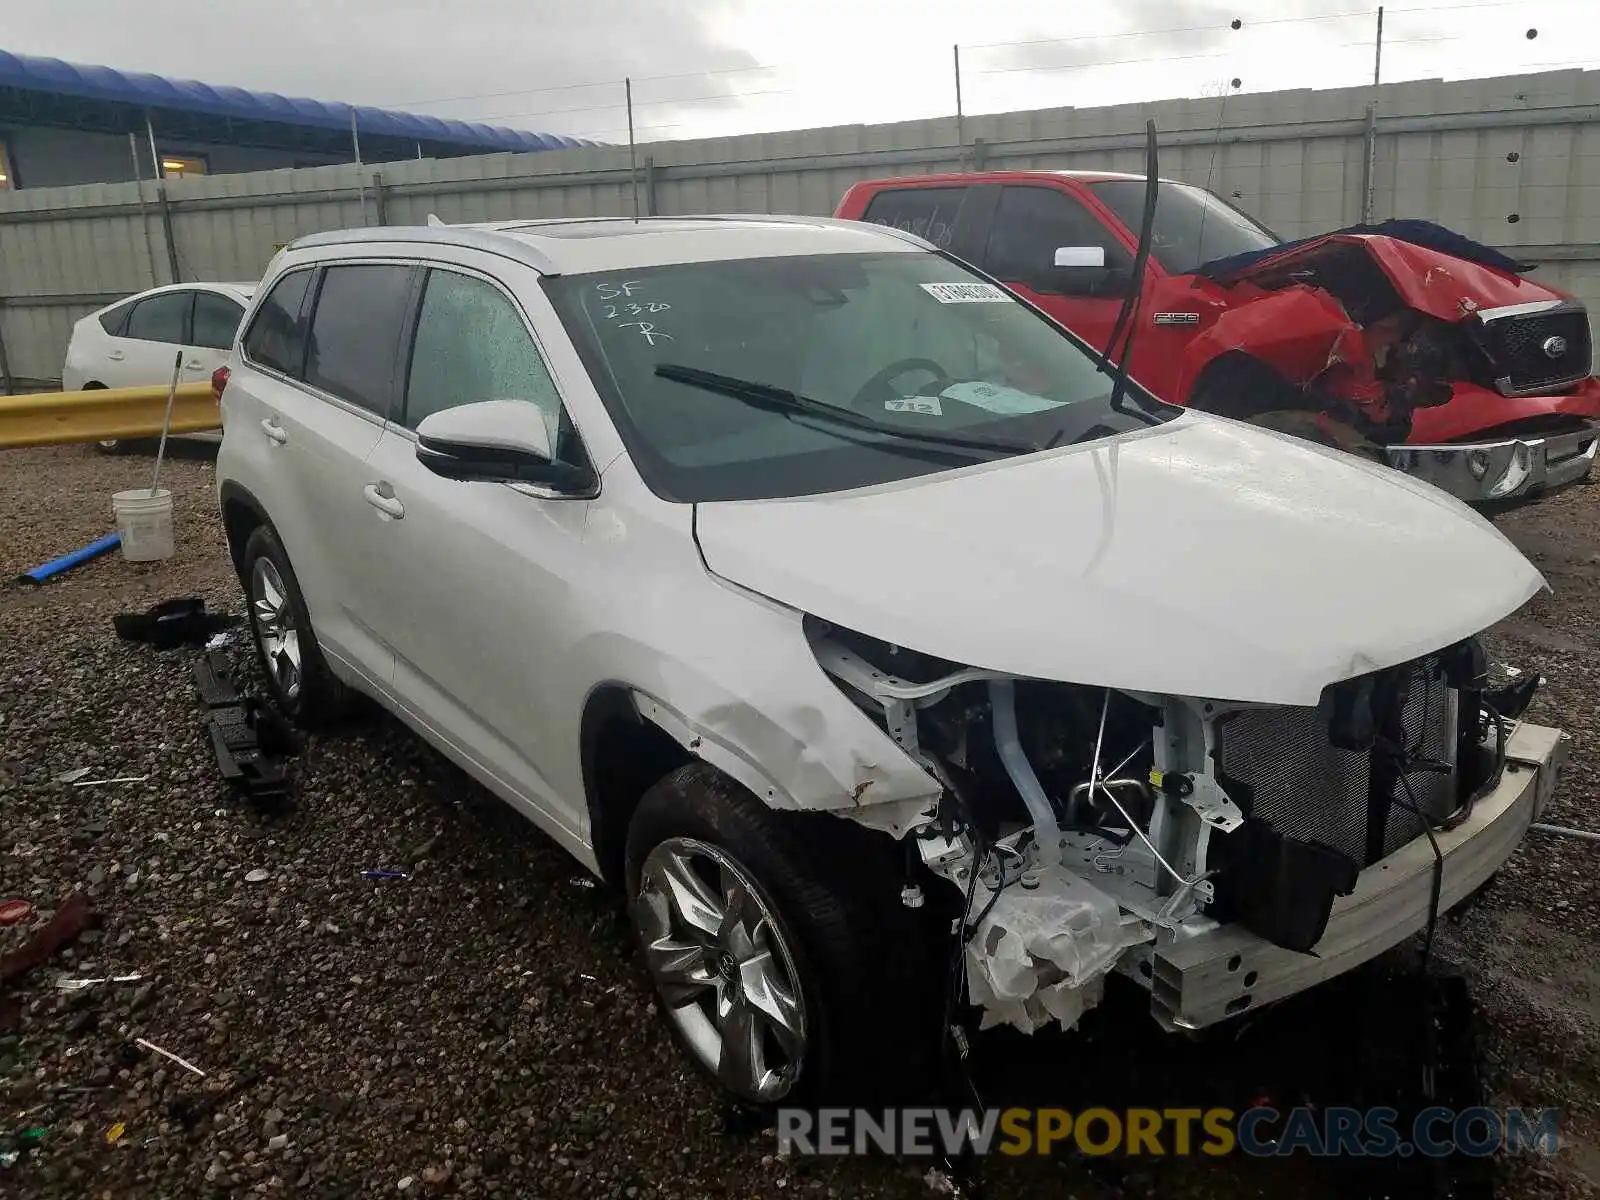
<point x="1514" y="162"/>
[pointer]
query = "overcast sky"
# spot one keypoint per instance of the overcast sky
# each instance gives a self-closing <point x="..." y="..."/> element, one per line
<point x="714" y="67"/>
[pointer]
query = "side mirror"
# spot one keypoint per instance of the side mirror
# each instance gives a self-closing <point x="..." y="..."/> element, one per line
<point x="496" y="441"/>
<point x="1080" y="256"/>
<point x="1082" y="271"/>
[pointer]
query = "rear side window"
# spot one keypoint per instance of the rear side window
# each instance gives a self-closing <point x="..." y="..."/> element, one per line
<point x="355" y="333"/>
<point x="929" y="212"/>
<point x="216" y="320"/>
<point x="114" y="319"/>
<point x="277" y="336"/>
<point x="163" y="318"/>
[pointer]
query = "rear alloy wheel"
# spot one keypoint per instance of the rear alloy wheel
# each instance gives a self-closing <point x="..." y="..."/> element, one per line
<point x="297" y="674"/>
<point x="724" y="966"/>
<point x="275" y="628"/>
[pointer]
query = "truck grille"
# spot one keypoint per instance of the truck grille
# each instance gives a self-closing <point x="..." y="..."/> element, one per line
<point x="1306" y="788"/>
<point x="1520" y="344"/>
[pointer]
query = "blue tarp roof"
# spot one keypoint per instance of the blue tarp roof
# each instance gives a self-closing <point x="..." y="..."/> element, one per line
<point x="54" y="77"/>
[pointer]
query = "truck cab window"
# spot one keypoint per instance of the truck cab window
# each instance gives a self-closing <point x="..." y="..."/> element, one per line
<point x="1031" y="224"/>
<point x="928" y="212"/>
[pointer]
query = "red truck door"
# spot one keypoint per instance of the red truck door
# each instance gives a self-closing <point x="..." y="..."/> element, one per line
<point x="1031" y="222"/>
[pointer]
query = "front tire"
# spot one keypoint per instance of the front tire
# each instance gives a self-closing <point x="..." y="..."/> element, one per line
<point x="1247" y="389"/>
<point x="785" y="964"/>
<point x="296" y="673"/>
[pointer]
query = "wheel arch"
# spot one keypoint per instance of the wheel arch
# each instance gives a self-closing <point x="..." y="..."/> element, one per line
<point x="1256" y="387"/>
<point x="242" y="514"/>
<point x="622" y="754"/>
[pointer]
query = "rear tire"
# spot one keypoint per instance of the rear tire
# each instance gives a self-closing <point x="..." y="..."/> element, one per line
<point x="286" y="646"/>
<point x="109" y="445"/>
<point x="800" y="926"/>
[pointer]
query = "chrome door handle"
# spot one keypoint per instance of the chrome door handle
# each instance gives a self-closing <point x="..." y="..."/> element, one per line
<point x="381" y="496"/>
<point x="194" y="364"/>
<point x="115" y="355"/>
<point x="273" y="430"/>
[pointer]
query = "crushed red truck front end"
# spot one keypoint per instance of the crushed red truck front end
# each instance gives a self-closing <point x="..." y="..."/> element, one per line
<point x="1455" y="369"/>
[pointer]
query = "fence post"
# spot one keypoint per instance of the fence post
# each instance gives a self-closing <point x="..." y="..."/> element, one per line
<point x="1369" y="164"/>
<point x="5" y="363"/>
<point x="649" y="185"/>
<point x="980" y="154"/>
<point x="379" y="201"/>
<point x="144" y="217"/>
<point x="167" y="234"/>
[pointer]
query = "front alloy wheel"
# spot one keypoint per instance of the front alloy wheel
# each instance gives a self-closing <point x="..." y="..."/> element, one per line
<point x="724" y="968"/>
<point x="275" y="627"/>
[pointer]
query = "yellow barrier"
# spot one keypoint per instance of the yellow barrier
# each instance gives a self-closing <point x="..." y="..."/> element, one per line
<point x="56" y="418"/>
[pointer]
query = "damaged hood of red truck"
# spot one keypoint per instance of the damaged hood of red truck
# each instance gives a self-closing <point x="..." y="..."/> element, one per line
<point x="1200" y="557"/>
<point x="1426" y="279"/>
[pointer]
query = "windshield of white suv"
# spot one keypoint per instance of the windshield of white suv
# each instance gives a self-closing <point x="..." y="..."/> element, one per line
<point x="789" y="376"/>
<point x="1192" y="225"/>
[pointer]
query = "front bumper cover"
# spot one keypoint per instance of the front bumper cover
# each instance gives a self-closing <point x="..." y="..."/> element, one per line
<point x="1501" y="470"/>
<point x="1199" y="980"/>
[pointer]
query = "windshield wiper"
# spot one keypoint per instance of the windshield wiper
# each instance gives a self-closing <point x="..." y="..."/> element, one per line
<point x="787" y="403"/>
<point x="1127" y="315"/>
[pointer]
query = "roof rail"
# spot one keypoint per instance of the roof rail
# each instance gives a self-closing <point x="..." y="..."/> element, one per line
<point x="796" y="219"/>
<point x="481" y="238"/>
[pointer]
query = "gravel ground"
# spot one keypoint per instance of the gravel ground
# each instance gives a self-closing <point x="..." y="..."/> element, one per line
<point x="482" y="1027"/>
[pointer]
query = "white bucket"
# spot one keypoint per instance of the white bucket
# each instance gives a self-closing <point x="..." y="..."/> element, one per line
<point x="144" y="519"/>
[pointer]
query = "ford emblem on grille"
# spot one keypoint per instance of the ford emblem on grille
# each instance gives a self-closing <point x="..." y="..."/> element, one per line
<point x="1554" y="347"/>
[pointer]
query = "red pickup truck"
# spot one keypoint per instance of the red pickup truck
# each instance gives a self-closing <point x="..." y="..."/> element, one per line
<point x="1402" y="341"/>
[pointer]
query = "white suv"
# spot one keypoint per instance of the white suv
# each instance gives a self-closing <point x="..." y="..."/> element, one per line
<point x="827" y="598"/>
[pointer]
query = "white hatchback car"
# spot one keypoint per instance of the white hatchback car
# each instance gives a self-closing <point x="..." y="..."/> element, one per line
<point x="134" y="342"/>
<point x="824" y="596"/>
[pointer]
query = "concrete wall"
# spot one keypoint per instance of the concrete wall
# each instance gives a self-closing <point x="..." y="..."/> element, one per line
<point x="1513" y="162"/>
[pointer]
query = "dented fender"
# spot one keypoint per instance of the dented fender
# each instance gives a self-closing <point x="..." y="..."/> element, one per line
<point x="1293" y="331"/>
<point x="829" y="771"/>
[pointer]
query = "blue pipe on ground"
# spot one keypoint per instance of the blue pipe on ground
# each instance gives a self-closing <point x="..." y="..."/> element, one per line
<point x="67" y="561"/>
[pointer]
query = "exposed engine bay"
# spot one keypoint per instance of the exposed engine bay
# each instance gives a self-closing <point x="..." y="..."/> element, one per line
<point x="1080" y="826"/>
<point x="1345" y="337"/>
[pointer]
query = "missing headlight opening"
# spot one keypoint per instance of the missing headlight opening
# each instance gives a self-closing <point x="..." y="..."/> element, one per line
<point x="1084" y="830"/>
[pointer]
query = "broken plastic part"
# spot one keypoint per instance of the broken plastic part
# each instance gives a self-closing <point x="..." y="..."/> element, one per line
<point x="1041" y="955"/>
<point x="184" y="1063"/>
<point x="173" y="623"/>
<point x="72" y="917"/>
<point x="13" y="912"/>
<point x="77" y="985"/>
<point x="248" y="737"/>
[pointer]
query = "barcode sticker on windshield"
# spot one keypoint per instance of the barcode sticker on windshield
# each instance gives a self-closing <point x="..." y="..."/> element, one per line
<point x="966" y="293"/>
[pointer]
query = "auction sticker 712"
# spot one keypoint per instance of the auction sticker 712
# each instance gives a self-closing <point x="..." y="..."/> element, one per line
<point x="966" y="293"/>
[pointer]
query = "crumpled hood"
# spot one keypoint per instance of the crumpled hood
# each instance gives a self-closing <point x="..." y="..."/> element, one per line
<point x="1426" y="278"/>
<point x="1202" y="557"/>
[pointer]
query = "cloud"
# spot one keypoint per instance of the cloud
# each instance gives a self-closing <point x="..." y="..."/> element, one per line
<point x="538" y="64"/>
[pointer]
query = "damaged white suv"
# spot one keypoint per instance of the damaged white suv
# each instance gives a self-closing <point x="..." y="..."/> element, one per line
<point x="829" y="599"/>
